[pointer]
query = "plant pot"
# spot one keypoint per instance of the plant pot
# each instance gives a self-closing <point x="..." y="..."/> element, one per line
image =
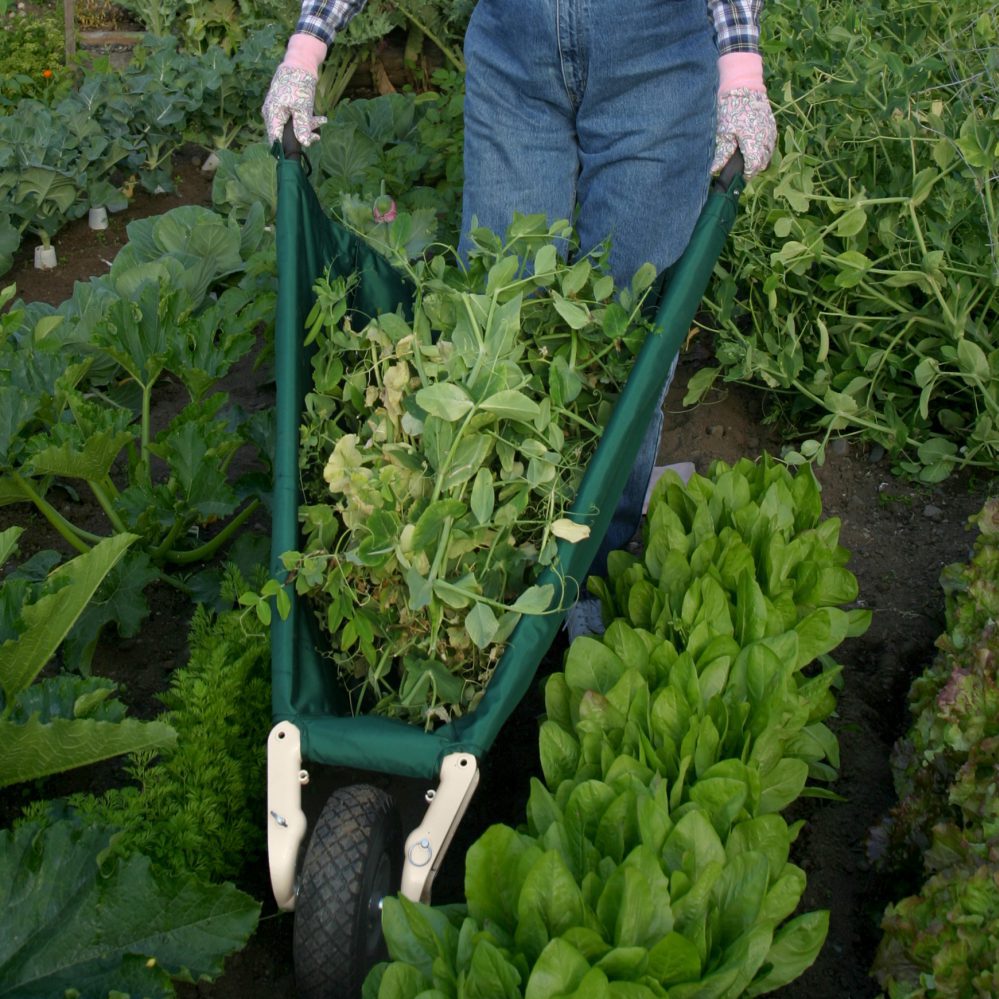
<point x="211" y="164"/>
<point x="45" y="258"/>
<point x="98" y="217"/>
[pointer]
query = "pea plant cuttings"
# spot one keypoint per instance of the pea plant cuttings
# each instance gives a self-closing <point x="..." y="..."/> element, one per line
<point x="440" y="455"/>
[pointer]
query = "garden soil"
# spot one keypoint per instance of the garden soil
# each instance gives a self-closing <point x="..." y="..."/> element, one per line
<point x="900" y="537"/>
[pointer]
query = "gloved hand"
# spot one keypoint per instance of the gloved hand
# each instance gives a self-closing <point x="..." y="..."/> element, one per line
<point x="292" y="92"/>
<point x="745" y="118"/>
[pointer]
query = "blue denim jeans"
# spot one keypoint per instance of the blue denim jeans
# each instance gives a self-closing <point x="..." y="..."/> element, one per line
<point x="599" y="111"/>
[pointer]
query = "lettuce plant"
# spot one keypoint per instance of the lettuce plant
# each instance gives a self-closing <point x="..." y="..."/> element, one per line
<point x="723" y="670"/>
<point x="942" y="942"/>
<point x="944" y="939"/>
<point x="955" y="708"/>
<point x="654" y="861"/>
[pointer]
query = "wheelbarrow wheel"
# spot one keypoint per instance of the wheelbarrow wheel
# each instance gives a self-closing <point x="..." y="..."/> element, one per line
<point x="353" y="860"/>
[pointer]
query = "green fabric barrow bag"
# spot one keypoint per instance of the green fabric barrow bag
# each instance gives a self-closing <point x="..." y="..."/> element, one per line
<point x="305" y="688"/>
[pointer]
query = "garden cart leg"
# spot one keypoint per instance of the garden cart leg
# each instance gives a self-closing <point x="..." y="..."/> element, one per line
<point x="427" y="844"/>
<point x="285" y="819"/>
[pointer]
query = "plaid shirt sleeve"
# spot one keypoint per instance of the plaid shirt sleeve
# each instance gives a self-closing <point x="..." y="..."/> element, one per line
<point x="737" y="24"/>
<point x="325" y="18"/>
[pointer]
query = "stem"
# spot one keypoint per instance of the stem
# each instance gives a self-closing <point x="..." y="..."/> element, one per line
<point x="165" y="577"/>
<point x="147" y="395"/>
<point x="67" y="530"/>
<point x="480" y="599"/>
<point x="163" y="548"/>
<point x="110" y="489"/>
<point x="929" y="277"/>
<point x="331" y="89"/>
<point x="456" y="61"/>
<point x="112" y="515"/>
<point x="442" y="472"/>
<point x="861" y="202"/>
<point x="990" y="214"/>
<point x="478" y="336"/>
<point x="885" y="355"/>
<point x="857" y="420"/>
<point x="548" y="521"/>
<point x="210" y="547"/>
<point x="893" y="305"/>
<point x="441" y="548"/>
<point x="568" y="414"/>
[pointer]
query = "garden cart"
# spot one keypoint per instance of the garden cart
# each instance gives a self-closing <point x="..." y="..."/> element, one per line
<point x="356" y="855"/>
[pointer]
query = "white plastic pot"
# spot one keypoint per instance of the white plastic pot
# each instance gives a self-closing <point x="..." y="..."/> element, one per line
<point x="97" y="218"/>
<point x="45" y="258"/>
<point x="211" y="164"/>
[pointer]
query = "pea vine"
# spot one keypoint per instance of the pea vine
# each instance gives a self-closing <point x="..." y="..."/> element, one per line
<point x="861" y="283"/>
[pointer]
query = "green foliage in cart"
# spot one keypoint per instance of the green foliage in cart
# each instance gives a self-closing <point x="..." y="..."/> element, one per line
<point x="57" y="722"/>
<point x="655" y="861"/>
<point x="946" y="822"/>
<point x="441" y="454"/>
<point x="861" y="283"/>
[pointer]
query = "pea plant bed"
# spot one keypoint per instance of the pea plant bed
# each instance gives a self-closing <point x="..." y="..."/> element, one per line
<point x="900" y="537"/>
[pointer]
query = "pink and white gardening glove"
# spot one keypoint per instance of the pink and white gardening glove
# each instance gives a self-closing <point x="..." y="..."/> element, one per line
<point x="292" y="92"/>
<point x="745" y="118"/>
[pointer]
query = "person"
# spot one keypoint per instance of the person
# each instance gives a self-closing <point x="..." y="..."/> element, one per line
<point x="612" y="113"/>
